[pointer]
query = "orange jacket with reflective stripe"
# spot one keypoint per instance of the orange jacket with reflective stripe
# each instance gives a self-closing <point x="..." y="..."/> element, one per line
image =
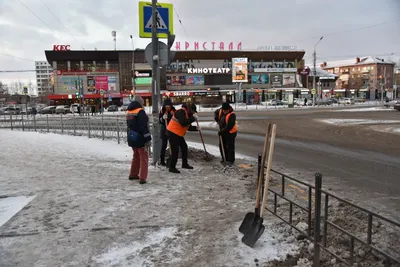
<point x="175" y="127"/>
<point x="234" y="128"/>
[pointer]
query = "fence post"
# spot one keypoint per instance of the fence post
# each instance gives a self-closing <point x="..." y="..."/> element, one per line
<point x="74" y="125"/>
<point x="259" y="159"/>
<point x="47" y="123"/>
<point x="119" y="141"/>
<point x="22" y="122"/>
<point x="62" y="124"/>
<point x="34" y="122"/>
<point x="102" y="125"/>
<point x="11" y="122"/>
<point x="317" y="221"/>
<point x="88" y="126"/>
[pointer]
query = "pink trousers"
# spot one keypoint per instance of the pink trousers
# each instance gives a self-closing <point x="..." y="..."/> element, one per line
<point x="140" y="163"/>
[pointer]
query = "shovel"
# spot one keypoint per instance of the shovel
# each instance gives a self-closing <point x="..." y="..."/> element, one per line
<point x="202" y="141"/>
<point x="253" y="216"/>
<point x="257" y="228"/>
<point x="222" y="149"/>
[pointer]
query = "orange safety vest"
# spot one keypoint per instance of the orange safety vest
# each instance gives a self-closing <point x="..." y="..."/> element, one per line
<point x="175" y="127"/>
<point x="133" y="112"/>
<point x="234" y="128"/>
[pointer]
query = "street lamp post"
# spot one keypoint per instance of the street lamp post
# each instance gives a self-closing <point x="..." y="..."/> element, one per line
<point x="315" y="68"/>
<point x="133" y="68"/>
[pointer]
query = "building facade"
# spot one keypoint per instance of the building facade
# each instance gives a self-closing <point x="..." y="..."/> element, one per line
<point x="44" y="72"/>
<point x="199" y="76"/>
<point x="365" y="77"/>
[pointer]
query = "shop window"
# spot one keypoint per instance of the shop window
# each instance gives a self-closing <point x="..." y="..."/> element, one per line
<point x="62" y="65"/>
<point x="75" y="65"/>
<point x="100" y="65"/>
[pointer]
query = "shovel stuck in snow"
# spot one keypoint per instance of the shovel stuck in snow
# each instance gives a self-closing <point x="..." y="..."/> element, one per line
<point x="257" y="228"/>
<point x="251" y="217"/>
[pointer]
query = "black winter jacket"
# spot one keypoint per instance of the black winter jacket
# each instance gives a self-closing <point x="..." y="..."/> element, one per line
<point x="139" y="124"/>
<point x="223" y="126"/>
<point x="163" y="111"/>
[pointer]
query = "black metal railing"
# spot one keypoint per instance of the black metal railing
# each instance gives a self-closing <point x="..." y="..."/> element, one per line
<point x="315" y="218"/>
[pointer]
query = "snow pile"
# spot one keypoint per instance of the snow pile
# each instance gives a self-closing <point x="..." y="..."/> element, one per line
<point x="363" y="109"/>
<point x="357" y="121"/>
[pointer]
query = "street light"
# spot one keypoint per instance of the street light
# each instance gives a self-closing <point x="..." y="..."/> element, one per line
<point x="315" y="67"/>
<point x="133" y="68"/>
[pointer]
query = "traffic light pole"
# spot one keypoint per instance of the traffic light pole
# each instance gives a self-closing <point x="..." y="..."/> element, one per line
<point x="81" y="94"/>
<point x="155" y="85"/>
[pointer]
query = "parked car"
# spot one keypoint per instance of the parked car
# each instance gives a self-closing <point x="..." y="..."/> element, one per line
<point x="112" y="108"/>
<point x="62" y="109"/>
<point x="347" y="101"/>
<point x="391" y="103"/>
<point x="48" y="110"/>
<point x="11" y="111"/>
<point x="29" y="111"/>
<point x="74" y="108"/>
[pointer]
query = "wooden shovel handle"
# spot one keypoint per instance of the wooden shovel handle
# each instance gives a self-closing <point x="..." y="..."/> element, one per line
<point x="269" y="166"/>
<point x="264" y="155"/>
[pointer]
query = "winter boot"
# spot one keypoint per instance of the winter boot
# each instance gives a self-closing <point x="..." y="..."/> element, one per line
<point x="142" y="181"/>
<point x="133" y="178"/>
<point x="162" y="163"/>
<point x="187" y="166"/>
<point x="174" y="170"/>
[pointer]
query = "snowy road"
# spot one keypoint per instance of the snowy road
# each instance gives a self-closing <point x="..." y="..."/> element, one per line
<point x="87" y="213"/>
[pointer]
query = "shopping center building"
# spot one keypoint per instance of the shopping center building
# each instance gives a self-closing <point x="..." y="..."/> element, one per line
<point x="199" y="76"/>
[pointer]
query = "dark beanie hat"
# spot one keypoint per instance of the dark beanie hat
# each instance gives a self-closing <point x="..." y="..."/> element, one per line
<point x="225" y="106"/>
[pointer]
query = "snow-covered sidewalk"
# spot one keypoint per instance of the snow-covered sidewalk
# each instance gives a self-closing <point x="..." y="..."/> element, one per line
<point x="83" y="210"/>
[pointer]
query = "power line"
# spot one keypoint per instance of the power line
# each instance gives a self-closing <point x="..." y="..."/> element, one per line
<point x="7" y="55"/>
<point x="180" y="21"/>
<point x="354" y="55"/>
<point x="350" y="30"/>
<point x="39" y="19"/>
<point x="61" y="23"/>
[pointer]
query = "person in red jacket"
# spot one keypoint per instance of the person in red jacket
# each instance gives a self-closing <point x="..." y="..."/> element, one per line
<point x="180" y="123"/>
<point x="165" y="117"/>
<point x="226" y="120"/>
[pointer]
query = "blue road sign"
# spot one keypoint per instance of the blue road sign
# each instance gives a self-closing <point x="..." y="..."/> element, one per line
<point x="164" y="19"/>
<point x="109" y="99"/>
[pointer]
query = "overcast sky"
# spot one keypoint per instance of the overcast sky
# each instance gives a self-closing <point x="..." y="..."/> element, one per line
<point x="347" y="27"/>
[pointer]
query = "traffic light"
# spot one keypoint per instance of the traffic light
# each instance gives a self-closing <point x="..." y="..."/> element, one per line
<point x="132" y="95"/>
<point x="171" y="54"/>
<point x="77" y="95"/>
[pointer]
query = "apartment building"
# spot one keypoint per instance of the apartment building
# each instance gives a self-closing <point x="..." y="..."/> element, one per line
<point x="44" y="73"/>
<point x="363" y="77"/>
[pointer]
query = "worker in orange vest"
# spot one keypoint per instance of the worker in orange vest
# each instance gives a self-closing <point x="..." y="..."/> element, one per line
<point x="165" y="116"/>
<point x="180" y="123"/>
<point x="139" y="139"/>
<point x="226" y="120"/>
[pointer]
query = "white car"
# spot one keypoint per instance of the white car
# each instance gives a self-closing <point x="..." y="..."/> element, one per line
<point x="347" y="101"/>
<point x="74" y="108"/>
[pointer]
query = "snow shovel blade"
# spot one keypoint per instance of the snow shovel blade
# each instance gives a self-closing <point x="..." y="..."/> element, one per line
<point x="257" y="229"/>
<point x="248" y="221"/>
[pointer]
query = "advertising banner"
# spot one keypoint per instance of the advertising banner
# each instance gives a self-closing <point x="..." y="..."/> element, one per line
<point x="91" y="84"/>
<point x="194" y="80"/>
<point x="239" y="70"/>
<point x="101" y="82"/>
<point x="289" y="80"/>
<point x="143" y="77"/>
<point x="176" y="80"/>
<point x="112" y="83"/>
<point x="143" y="81"/>
<point x="276" y="80"/>
<point x="260" y="79"/>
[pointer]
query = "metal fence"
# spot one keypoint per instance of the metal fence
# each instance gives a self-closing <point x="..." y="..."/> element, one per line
<point x="316" y="206"/>
<point x="99" y="126"/>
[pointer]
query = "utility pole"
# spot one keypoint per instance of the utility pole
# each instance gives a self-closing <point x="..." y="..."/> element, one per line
<point x="155" y="84"/>
<point x="383" y="83"/>
<point x="133" y="68"/>
<point x="315" y="68"/>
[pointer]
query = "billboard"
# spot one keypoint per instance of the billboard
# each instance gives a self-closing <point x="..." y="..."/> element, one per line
<point x="194" y="80"/>
<point x="260" y="79"/>
<point x="176" y="80"/>
<point x="143" y="77"/>
<point x="239" y="70"/>
<point x="101" y="82"/>
<point x="91" y="85"/>
<point x="143" y="81"/>
<point x="112" y="83"/>
<point x="276" y="80"/>
<point x="289" y="80"/>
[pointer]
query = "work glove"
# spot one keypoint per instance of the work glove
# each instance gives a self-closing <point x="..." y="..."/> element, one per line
<point x="165" y="117"/>
<point x="198" y="128"/>
<point x="195" y="116"/>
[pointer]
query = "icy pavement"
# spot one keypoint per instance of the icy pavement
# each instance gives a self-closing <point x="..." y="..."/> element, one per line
<point x="87" y="213"/>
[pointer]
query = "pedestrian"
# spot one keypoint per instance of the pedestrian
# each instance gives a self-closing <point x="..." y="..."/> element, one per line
<point x="33" y="111"/>
<point x="178" y="126"/>
<point x="305" y="101"/>
<point x="139" y="139"/>
<point x="93" y="108"/>
<point x="226" y="120"/>
<point x="165" y="117"/>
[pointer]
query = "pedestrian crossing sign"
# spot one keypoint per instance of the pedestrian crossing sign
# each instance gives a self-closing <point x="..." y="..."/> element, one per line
<point x="165" y="19"/>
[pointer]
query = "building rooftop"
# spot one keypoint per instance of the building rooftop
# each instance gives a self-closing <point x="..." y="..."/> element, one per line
<point x="353" y="62"/>
<point x="321" y="73"/>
